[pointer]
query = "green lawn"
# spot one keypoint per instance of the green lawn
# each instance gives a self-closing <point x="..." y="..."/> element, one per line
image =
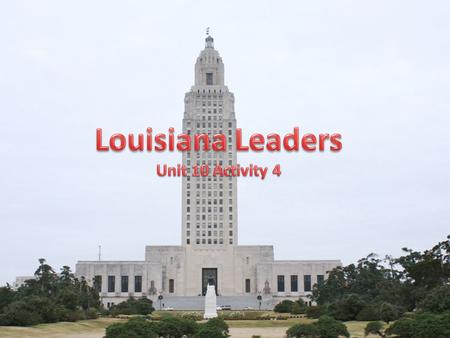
<point x="57" y="329"/>
<point x="95" y="328"/>
<point x="268" y="323"/>
<point x="356" y="329"/>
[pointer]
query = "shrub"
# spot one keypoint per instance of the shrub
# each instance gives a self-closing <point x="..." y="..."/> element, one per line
<point x="91" y="313"/>
<point x="302" y="330"/>
<point x="209" y="332"/>
<point x="73" y="316"/>
<point x="30" y="310"/>
<point x="196" y="316"/>
<point x="235" y="315"/>
<point x="329" y="327"/>
<point x="404" y="327"/>
<point x="325" y="327"/>
<point x="218" y="323"/>
<point x="316" y="311"/>
<point x="213" y="328"/>
<point x="252" y="315"/>
<point x="18" y="313"/>
<point x="285" y="306"/>
<point x="298" y="307"/>
<point x="424" y="325"/>
<point x="134" y="328"/>
<point x="132" y="306"/>
<point x="175" y="327"/>
<point x="62" y="313"/>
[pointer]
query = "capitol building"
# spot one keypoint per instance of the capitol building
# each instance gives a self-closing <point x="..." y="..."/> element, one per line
<point x="209" y="252"/>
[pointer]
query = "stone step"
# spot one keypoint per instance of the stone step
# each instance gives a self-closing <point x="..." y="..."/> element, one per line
<point x="198" y="302"/>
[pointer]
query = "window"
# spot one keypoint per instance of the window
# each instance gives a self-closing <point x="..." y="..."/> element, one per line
<point x="209" y="79"/>
<point x="171" y="286"/>
<point x="320" y="279"/>
<point x="280" y="283"/>
<point x="247" y="285"/>
<point x="98" y="283"/>
<point x="111" y="283"/>
<point x="124" y="284"/>
<point x="307" y="282"/>
<point x="137" y="283"/>
<point x="294" y="283"/>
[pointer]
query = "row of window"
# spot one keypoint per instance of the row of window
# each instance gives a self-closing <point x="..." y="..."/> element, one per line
<point x="294" y="282"/>
<point x="215" y="97"/>
<point x="209" y="103"/>
<point x="216" y="117"/>
<point x="203" y="217"/>
<point x="209" y="209"/>
<point x="209" y="241"/>
<point x="209" y="233"/>
<point x="209" y="91"/>
<point x="124" y="281"/>
<point x="210" y="200"/>
<point x="214" y="225"/>
<point x="209" y="178"/>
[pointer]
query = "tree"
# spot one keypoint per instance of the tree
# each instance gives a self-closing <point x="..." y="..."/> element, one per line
<point x="423" y="271"/>
<point x="45" y="277"/>
<point x="369" y="279"/>
<point x="370" y="312"/>
<point x="414" y="280"/>
<point x="347" y="308"/>
<point x="48" y="298"/>
<point x="89" y="296"/>
<point x="6" y="296"/>
<point x="388" y="312"/>
<point x="437" y="300"/>
<point x="375" y="328"/>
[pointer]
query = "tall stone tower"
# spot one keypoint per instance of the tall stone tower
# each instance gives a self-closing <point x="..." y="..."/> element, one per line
<point x="209" y="215"/>
<point x="209" y="254"/>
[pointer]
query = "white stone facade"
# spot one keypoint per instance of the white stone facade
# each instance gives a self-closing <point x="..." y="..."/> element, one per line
<point x="209" y="252"/>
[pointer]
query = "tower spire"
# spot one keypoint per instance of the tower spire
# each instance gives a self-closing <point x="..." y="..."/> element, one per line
<point x="209" y="41"/>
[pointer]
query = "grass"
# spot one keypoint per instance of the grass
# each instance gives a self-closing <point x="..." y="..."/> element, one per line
<point x="57" y="329"/>
<point x="97" y="326"/>
<point x="267" y="323"/>
<point x="356" y="329"/>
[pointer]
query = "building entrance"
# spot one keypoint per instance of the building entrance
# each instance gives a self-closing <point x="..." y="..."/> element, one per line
<point x="209" y="276"/>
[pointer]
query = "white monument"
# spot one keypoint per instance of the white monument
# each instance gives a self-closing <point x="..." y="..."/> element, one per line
<point x="210" y="303"/>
